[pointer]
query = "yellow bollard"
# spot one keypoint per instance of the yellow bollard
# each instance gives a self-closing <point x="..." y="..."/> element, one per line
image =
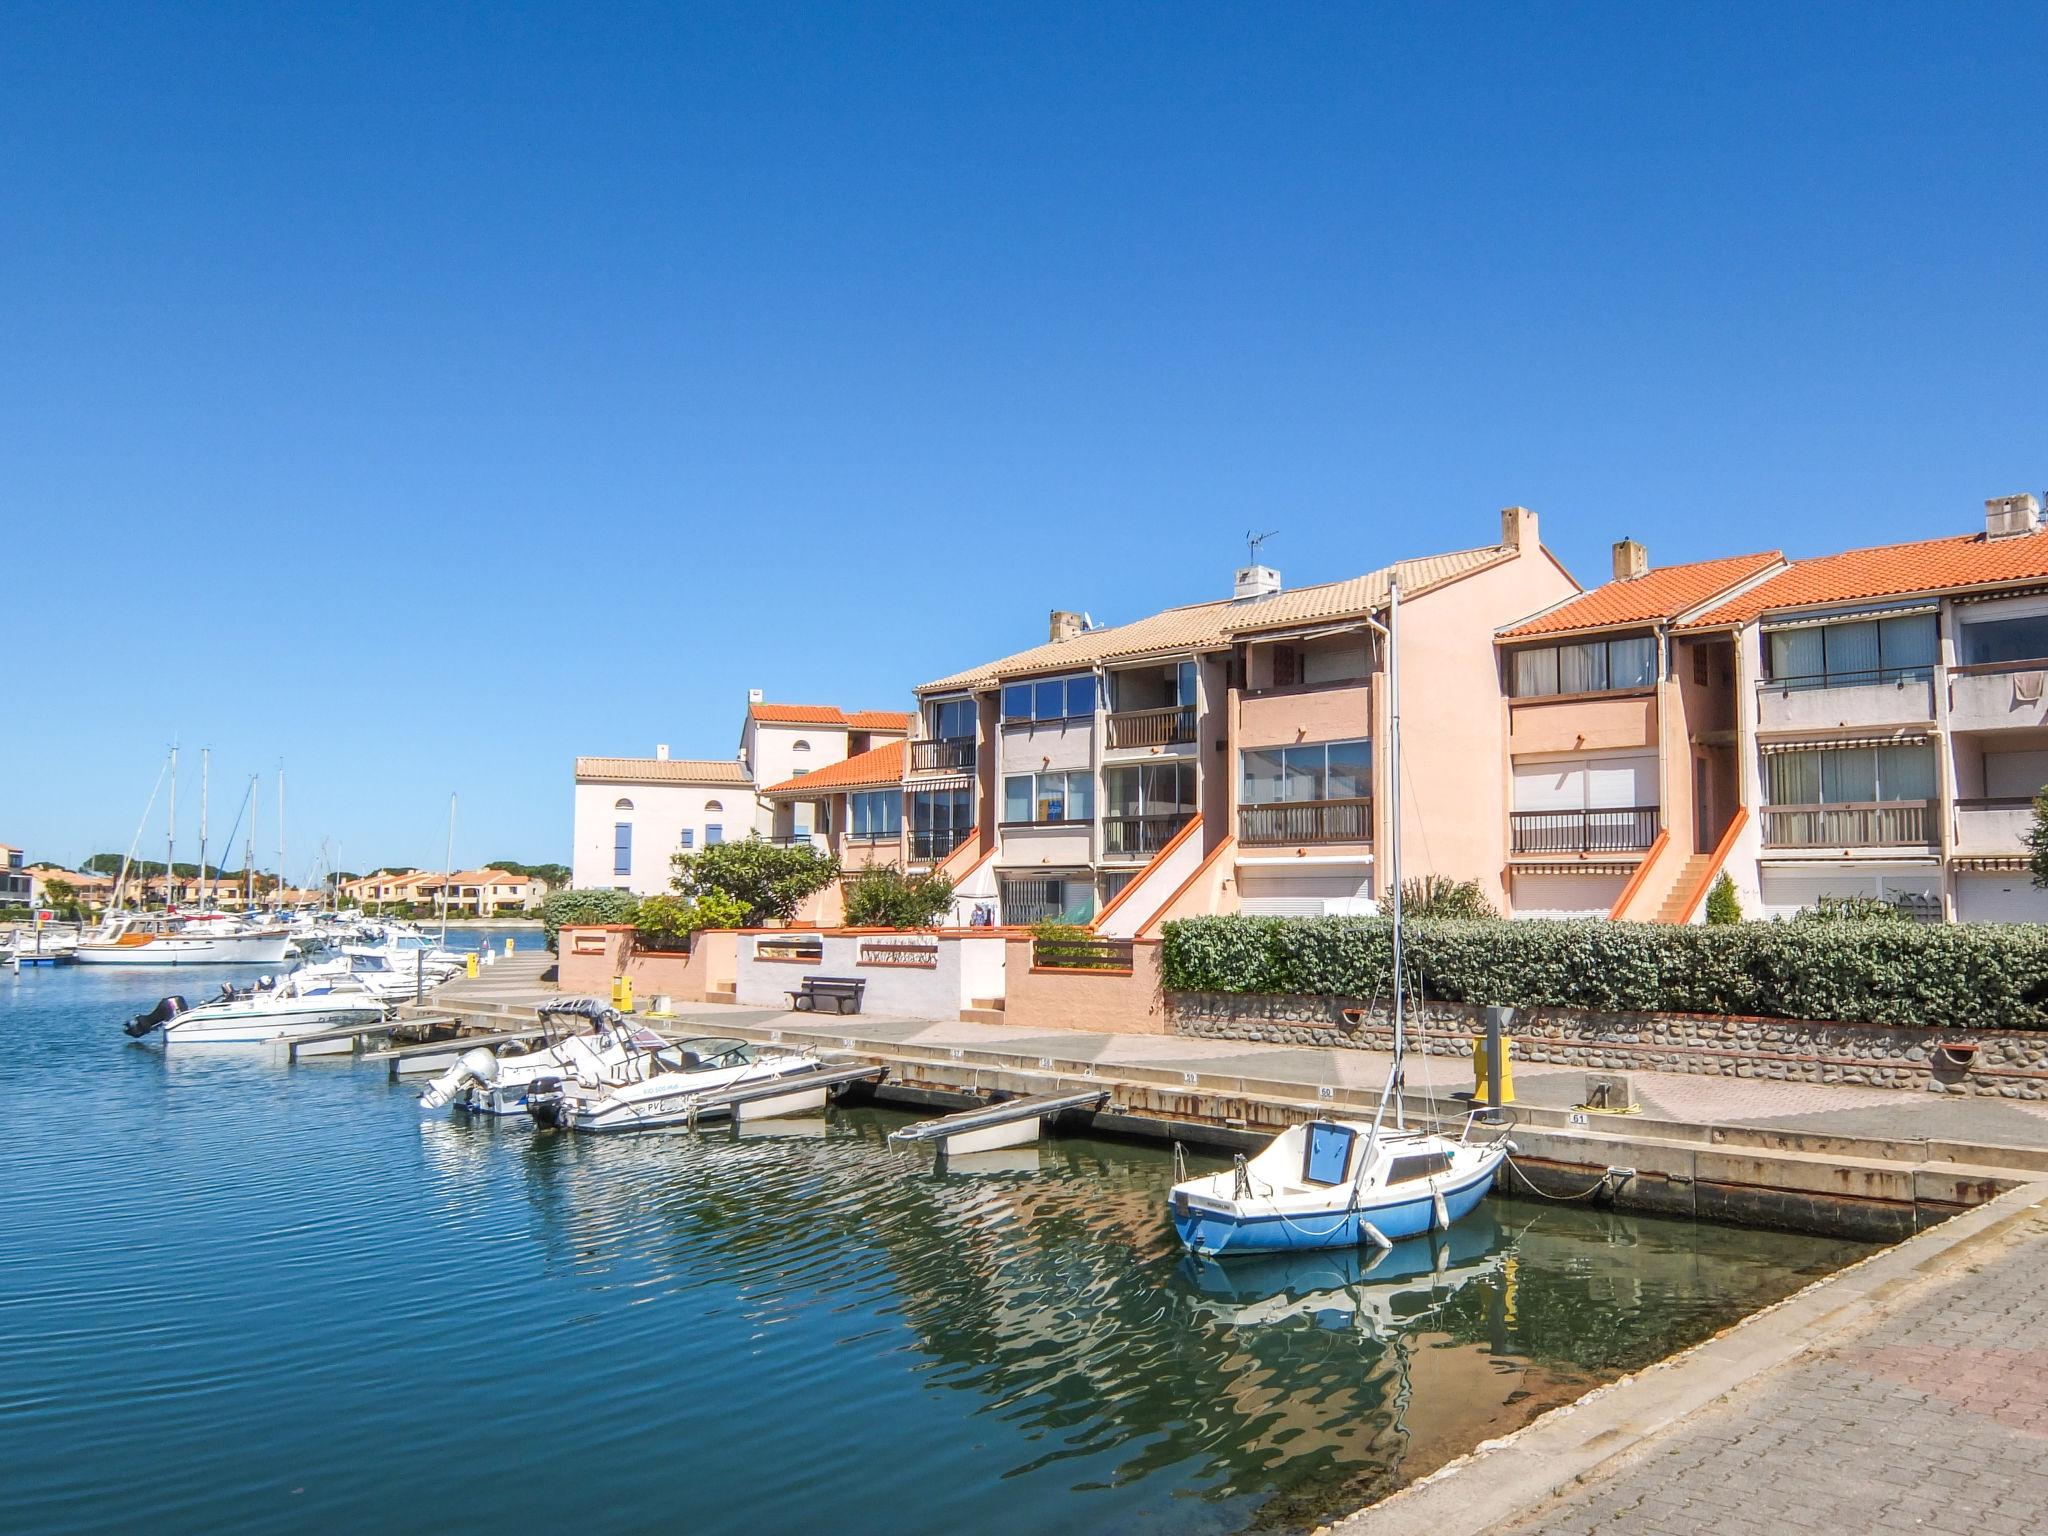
<point x="625" y="994"/>
<point x="510" y="944"/>
<point x="469" y="965"/>
<point x="1507" y="1070"/>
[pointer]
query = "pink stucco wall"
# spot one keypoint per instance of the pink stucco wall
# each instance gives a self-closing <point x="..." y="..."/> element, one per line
<point x="1125" y="1003"/>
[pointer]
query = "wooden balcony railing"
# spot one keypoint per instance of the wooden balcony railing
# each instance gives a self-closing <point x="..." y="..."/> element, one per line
<point x="1140" y="836"/>
<point x="1079" y="953"/>
<point x="1851" y="824"/>
<point x="1306" y="821"/>
<point x="945" y="753"/>
<point x="1619" y="829"/>
<point x="1152" y="727"/>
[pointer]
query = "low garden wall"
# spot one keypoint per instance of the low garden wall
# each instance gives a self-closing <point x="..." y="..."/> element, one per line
<point x="589" y="957"/>
<point x="1113" y="1000"/>
<point x="2009" y="1064"/>
<point x="919" y="974"/>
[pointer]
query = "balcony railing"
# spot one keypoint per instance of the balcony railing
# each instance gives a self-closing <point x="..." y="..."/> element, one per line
<point x="934" y="845"/>
<point x="943" y="754"/>
<point x="1852" y="824"/>
<point x="1152" y="727"/>
<point x="1306" y="821"/>
<point x="1618" y="829"/>
<point x="1062" y="952"/>
<point x="1140" y="836"/>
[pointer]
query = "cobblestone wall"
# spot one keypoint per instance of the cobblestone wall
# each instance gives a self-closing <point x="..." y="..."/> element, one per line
<point x="2011" y="1065"/>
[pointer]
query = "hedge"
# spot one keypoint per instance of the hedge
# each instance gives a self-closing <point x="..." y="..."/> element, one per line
<point x="1969" y="975"/>
<point x="563" y="909"/>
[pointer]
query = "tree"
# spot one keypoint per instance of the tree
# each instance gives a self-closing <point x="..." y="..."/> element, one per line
<point x="771" y="879"/>
<point x="554" y="876"/>
<point x="671" y="922"/>
<point x="1722" y="906"/>
<point x="883" y="896"/>
<point x="2036" y="839"/>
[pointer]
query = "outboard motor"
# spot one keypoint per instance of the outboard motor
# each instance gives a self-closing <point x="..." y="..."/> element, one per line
<point x="477" y="1066"/>
<point x="546" y="1103"/>
<point x="156" y="1018"/>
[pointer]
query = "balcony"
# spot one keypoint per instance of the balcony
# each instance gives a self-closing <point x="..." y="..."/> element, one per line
<point x="1852" y="824"/>
<point x="931" y="846"/>
<point x="945" y="754"/>
<point x="1281" y="717"/>
<point x="1139" y="837"/>
<point x="1169" y="727"/>
<point x="1305" y="821"/>
<point x="1997" y="824"/>
<point x="1998" y="696"/>
<point x="1618" y="829"/>
<point x="1582" y="722"/>
<point x="1899" y="697"/>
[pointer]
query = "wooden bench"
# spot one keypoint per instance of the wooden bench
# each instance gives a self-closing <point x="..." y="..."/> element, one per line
<point x="842" y="992"/>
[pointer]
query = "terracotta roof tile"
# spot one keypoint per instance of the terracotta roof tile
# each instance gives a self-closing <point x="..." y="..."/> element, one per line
<point x="1208" y="625"/>
<point x="865" y="770"/>
<point x="878" y="720"/>
<point x="830" y="714"/>
<point x="1660" y="594"/>
<point x="1889" y="570"/>
<point x="661" y="770"/>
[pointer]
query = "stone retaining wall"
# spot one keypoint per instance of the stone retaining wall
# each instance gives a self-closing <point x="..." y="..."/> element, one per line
<point x="2008" y="1064"/>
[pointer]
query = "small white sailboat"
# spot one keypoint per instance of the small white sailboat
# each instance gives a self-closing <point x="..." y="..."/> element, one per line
<point x="661" y="1085"/>
<point x="273" y="1009"/>
<point x="1340" y="1183"/>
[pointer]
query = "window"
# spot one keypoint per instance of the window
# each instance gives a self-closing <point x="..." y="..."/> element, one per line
<point x="1585" y="666"/>
<point x="800" y="773"/>
<point x="622" y="848"/>
<point x="1991" y="641"/>
<point x="939" y="819"/>
<point x="1857" y="651"/>
<point x="800" y="746"/>
<point x="714" y="834"/>
<point x="877" y="813"/>
<point x="1149" y="789"/>
<point x="622" y="805"/>
<point x="1323" y="770"/>
<point x="1050" y="699"/>
<point x="687" y="838"/>
<point x="950" y="720"/>
<point x="1043" y="798"/>
<point x="713" y="805"/>
<point x="1847" y="775"/>
<point x="1326" y="1155"/>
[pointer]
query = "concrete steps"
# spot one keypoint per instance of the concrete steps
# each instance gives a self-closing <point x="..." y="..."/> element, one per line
<point x="983" y="1010"/>
<point x="722" y="994"/>
<point x="1688" y="876"/>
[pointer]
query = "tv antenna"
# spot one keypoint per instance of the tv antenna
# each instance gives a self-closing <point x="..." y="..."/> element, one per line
<point x="1252" y="541"/>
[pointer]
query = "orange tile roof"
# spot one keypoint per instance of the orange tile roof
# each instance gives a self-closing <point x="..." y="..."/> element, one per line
<point x="1663" y="593"/>
<point x="1889" y="570"/>
<point x="830" y="714"/>
<point x="660" y="770"/>
<point x="866" y="770"/>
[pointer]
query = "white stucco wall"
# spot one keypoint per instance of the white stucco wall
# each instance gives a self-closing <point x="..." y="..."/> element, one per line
<point x="660" y="813"/>
<point x="966" y="968"/>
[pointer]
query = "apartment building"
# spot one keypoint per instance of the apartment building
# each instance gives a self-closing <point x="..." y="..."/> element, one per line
<point x="16" y="884"/>
<point x="1220" y="756"/>
<point x="632" y="815"/>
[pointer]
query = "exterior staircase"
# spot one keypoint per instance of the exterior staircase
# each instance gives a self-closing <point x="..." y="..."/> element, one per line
<point x="1690" y="873"/>
<point x="983" y="1010"/>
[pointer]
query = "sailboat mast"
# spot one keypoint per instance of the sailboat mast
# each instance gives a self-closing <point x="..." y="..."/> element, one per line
<point x="279" y="899"/>
<point x="449" y="873"/>
<point x="171" y="831"/>
<point x="205" y="766"/>
<point x="1394" y="821"/>
<point x="249" y="844"/>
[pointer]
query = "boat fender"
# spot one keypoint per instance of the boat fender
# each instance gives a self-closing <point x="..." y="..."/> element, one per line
<point x="1374" y="1236"/>
<point x="156" y="1018"/>
<point x="1440" y="1217"/>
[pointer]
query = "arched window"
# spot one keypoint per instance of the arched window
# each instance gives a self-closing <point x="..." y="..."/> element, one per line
<point x="800" y="746"/>
<point x="713" y="805"/>
<point x="622" y="805"/>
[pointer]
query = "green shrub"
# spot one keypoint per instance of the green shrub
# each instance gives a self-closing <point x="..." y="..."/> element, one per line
<point x="770" y="879"/>
<point x="883" y="896"/>
<point x="1441" y="896"/>
<point x="1970" y="975"/>
<point x="668" y="923"/>
<point x="1070" y="947"/>
<point x="1722" y="905"/>
<point x="559" y="909"/>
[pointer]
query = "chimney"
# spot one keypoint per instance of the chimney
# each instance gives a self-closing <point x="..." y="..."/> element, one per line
<point x="661" y="753"/>
<point x="1064" y="625"/>
<point x="2008" y="516"/>
<point x="1630" y="560"/>
<point x="1517" y="528"/>
<point x="1255" y="581"/>
<point x="754" y="695"/>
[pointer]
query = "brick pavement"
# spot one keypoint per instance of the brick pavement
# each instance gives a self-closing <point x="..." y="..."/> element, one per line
<point x="1933" y="1417"/>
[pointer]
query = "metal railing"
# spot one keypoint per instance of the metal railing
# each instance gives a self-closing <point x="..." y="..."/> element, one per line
<point x="934" y="845"/>
<point x="945" y="753"/>
<point x="1851" y="824"/>
<point x="1140" y="836"/>
<point x="1306" y="821"/>
<point x="1081" y="954"/>
<point x="1618" y="829"/>
<point x="1152" y="727"/>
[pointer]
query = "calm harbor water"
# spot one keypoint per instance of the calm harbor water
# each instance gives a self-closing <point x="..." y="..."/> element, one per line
<point x="238" y="1296"/>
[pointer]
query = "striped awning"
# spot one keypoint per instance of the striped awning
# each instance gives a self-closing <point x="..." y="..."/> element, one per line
<point x="1814" y="621"/>
<point x="940" y="781"/>
<point x="1828" y="743"/>
<point x="1527" y="864"/>
<point x="1989" y="863"/>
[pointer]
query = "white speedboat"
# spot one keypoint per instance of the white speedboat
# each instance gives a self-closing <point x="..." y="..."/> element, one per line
<point x="270" y="1010"/>
<point x="662" y="1085"/>
<point x="138" y="938"/>
<point x="376" y="973"/>
<point x="486" y="1083"/>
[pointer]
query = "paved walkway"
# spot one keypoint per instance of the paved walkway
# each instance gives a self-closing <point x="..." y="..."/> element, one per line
<point x="1909" y="1393"/>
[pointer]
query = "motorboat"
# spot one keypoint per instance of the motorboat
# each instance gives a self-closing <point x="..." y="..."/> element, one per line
<point x="662" y="1085"/>
<point x="1340" y="1183"/>
<point x="484" y="1082"/>
<point x="155" y="938"/>
<point x="28" y="946"/>
<point x="272" y="1009"/>
<point x="377" y="973"/>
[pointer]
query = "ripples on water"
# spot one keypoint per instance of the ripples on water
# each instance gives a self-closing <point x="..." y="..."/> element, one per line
<point x="236" y="1296"/>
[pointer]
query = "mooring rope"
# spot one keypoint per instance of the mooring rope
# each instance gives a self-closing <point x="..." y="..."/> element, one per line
<point x="1585" y="1194"/>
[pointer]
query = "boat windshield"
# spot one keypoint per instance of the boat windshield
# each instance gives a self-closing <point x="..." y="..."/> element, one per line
<point x="706" y="1051"/>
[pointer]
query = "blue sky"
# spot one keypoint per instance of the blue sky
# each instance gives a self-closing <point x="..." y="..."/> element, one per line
<point x="419" y="397"/>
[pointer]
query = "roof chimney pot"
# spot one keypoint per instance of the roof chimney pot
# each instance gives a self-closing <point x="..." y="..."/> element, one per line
<point x="2009" y="516"/>
<point x="1255" y="581"/>
<point x="1063" y="625"/>
<point x="661" y="752"/>
<point x="1630" y="560"/>
<point x="1517" y="528"/>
